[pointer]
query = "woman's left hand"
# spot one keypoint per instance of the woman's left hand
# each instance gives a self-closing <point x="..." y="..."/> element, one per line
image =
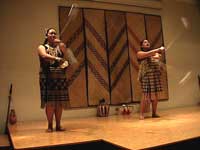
<point x="156" y="56"/>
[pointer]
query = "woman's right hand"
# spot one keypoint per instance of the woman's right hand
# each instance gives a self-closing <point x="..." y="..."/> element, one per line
<point x="159" y="50"/>
<point x="162" y="48"/>
<point x="57" y="41"/>
<point x="59" y="59"/>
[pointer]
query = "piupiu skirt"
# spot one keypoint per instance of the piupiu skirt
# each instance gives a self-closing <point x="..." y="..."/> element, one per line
<point x="150" y="77"/>
<point x="53" y="87"/>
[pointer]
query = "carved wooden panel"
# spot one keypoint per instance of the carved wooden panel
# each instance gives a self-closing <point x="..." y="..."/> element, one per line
<point x="105" y="44"/>
<point x="118" y="57"/>
<point x="155" y="36"/>
<point x="72" y="35"/>
<point x="136" y="33"/>
<point x="98" y="82"/>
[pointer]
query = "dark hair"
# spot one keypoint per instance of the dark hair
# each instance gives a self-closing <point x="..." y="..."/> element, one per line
<point x="47" y="31"/>
<point x="141" y="42"/>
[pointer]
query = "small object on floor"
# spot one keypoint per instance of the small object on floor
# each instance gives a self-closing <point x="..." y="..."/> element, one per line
<point x="126" y="109"/>
<point x="103" y="108"/>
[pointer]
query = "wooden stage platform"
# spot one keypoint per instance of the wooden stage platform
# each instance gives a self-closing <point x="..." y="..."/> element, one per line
<point x="126" y="131"/>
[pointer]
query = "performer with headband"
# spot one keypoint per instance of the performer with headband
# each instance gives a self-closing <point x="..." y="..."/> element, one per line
<point x="149" y="76"/>
<point x="53" y="82"/>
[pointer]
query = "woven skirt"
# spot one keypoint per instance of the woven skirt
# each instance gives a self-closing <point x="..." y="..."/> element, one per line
<point x="53" y="88"/>
<point x="151" y="78"/>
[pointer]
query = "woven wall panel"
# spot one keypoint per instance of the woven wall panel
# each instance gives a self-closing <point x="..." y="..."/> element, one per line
<point x="136" y="33"/>
<point x="118" y="57"/>
<point x="98" y="82"/>
<point x="155" y="36"/>
<point x="109" y="40"/>
<point x="74" y="39"/>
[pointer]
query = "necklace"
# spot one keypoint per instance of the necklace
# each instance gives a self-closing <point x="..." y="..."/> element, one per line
<point x="51" y="50"/>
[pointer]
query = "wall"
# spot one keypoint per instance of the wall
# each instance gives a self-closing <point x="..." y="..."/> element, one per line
<point x="180" y="24"/>
<point x="22" y="30"/>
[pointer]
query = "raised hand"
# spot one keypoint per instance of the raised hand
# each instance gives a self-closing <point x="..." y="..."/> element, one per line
<point x="57" y="41"/>
<point x="162" y="48"/>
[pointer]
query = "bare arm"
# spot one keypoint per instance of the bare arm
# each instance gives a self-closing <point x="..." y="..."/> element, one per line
<point x="142" y="55"/>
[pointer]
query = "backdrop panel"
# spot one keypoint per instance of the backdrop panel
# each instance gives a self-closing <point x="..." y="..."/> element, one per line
<point x="136" y="33"/>
<point x="118" y="57"/>
<point x="72" y="35"/>
<point x="155" y="36"/>
<point x="98" y="82"/>
<point x="105" y="44"/>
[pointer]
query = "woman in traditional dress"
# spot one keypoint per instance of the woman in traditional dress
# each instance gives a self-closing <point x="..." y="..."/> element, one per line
<point x="149" y="76"/>
<point x="53" y="83"/>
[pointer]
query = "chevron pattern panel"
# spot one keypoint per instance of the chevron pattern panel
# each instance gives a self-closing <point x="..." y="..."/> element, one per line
<point x="98" y="82"/>
<point x="72" y="34"/>
<point x="118" y="57"/>
<point x="155" y="36"/>
<point x="105" y="44"/>
<point x="136" y="33"/>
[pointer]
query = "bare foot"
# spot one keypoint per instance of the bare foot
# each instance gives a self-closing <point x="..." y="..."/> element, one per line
<point x="60" y="129"/>
<point x="141" y="117"/>
<point x="155" y="116"/>
<point x="49" y="130"/>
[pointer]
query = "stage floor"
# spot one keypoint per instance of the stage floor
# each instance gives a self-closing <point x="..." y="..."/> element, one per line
<point x="126" y="131"/>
